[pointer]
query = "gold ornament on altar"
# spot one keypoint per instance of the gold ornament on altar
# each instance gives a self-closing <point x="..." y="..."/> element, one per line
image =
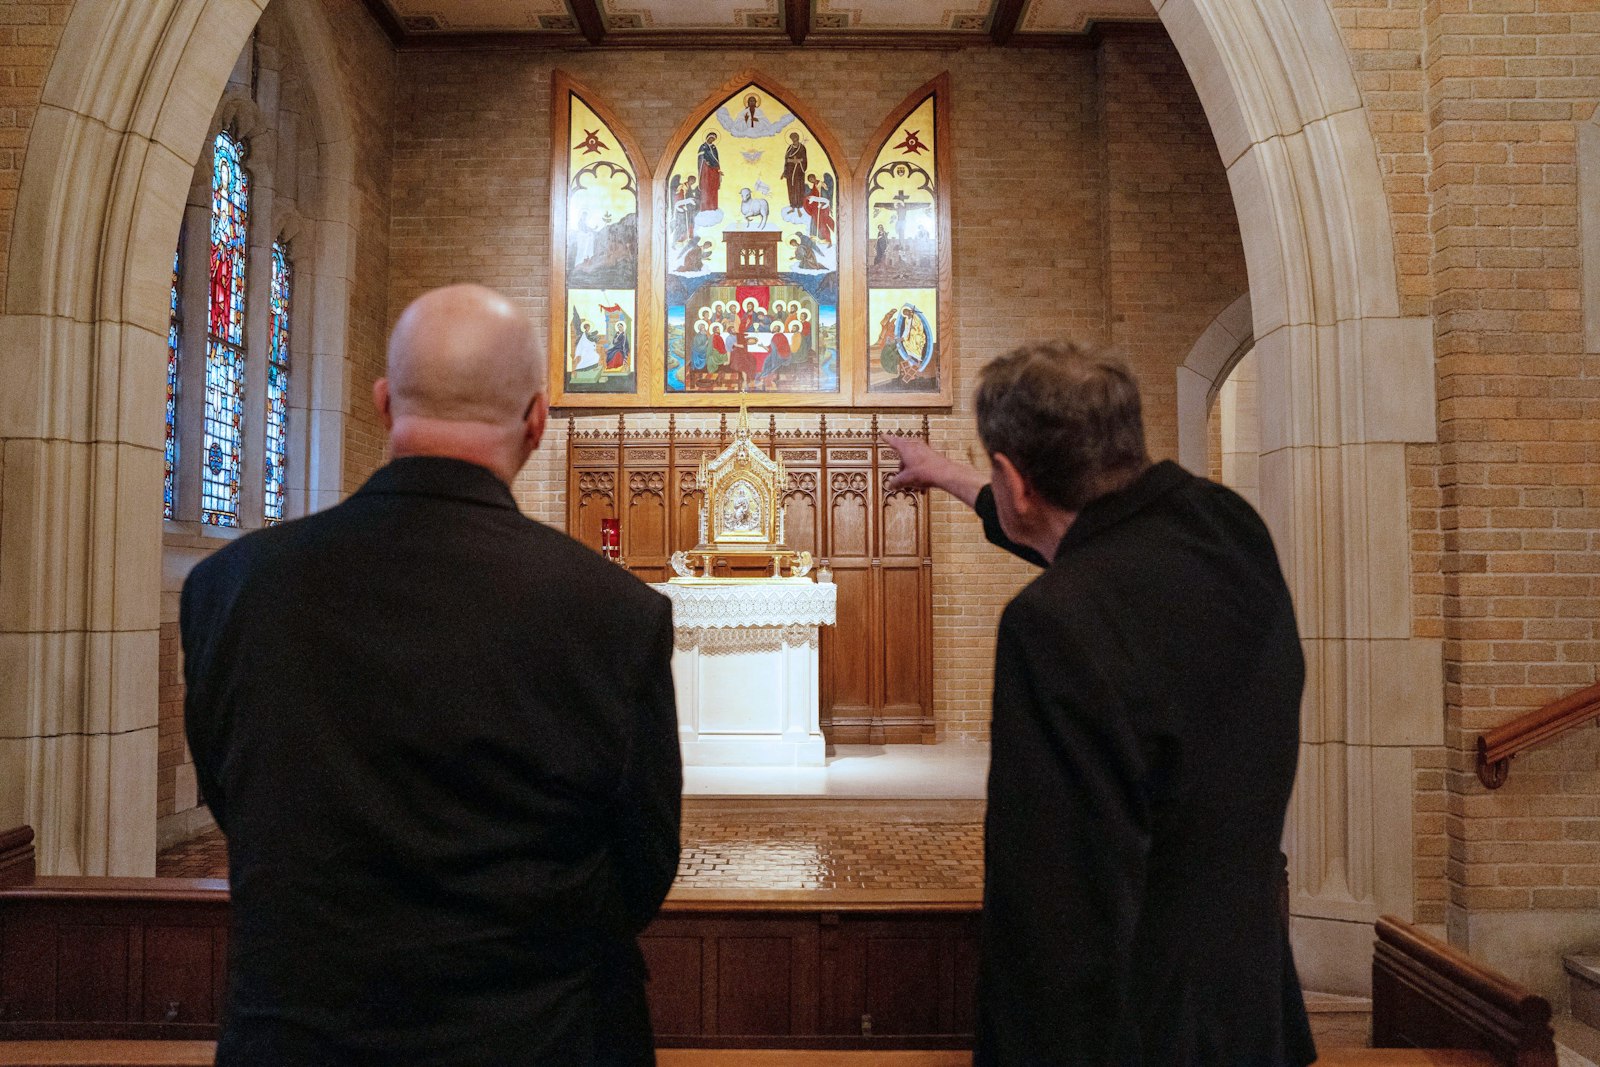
<point x="741" y="512"/>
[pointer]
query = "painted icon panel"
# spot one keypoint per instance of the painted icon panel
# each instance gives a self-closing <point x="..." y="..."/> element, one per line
<point x="752" y="254"/>
<point x="601" y="257"/>
<point x="905" y="231"/>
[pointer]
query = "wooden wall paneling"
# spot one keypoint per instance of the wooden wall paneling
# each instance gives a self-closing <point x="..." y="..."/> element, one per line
<point x="898" y="976"/>
<point x="877" y="662"/>
<point x="28" y="980"/>
<point x="848" y="647"/>
<point x="176" y="978"/>
<point x="676" y="991"/>
<point x="646" y="530"/>
<point x="92" y="971"/>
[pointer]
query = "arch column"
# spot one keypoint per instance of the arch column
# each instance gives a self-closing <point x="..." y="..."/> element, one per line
<point x="83" y="362"/>
<point x="1346" y="383"/>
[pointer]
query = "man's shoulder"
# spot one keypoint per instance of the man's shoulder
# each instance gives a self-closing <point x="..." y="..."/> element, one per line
<point x="557" y="555"/>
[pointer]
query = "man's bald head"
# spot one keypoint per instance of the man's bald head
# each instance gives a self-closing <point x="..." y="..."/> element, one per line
<point x="466" y="381"/>
<point x="464" y="354"/>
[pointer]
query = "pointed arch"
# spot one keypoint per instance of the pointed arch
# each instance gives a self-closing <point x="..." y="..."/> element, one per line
<point x="741" y="180"/>
<point x="904" y="181"/>
<point x="599" y="238"/>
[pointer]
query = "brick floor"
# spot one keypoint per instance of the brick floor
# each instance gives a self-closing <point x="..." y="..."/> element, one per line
<point x="827" y="847"/>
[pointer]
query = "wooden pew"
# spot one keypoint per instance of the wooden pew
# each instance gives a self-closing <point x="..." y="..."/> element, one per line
<point x="1426" y="994"/>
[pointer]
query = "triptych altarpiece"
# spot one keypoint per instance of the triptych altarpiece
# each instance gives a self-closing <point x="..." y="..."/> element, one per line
<point x="752" y="256"/>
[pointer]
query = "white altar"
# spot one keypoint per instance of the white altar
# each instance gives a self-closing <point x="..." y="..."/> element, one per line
<point x="746" y="670"/>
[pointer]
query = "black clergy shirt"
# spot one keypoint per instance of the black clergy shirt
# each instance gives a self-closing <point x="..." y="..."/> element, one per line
<point x="441" y="740"/>
<point x="1146" y="728"/>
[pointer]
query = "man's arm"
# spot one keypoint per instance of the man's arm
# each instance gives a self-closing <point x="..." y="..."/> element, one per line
<point x="646" y="808"/>
<point x="923" y="468"/>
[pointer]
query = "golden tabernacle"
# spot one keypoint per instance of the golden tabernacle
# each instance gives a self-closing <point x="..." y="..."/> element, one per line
<point x="741" y="514"/>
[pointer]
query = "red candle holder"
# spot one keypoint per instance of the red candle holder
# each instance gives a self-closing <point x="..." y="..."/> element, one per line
<point x="611" y="539"/>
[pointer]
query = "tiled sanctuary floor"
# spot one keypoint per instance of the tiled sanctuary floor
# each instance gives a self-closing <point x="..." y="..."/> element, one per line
<point x="884" y="820"/>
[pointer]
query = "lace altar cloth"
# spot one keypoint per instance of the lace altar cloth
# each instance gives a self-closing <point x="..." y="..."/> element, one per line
<point x="750" y="604"/>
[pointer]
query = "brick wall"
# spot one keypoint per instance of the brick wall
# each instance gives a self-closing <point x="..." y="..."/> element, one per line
<point x="29" y="34"/>
<point x="367" y="68"/>
<point x="1107" y="153"/>
<point x="1173" y="258"/>
<point x="1519" y="407"/>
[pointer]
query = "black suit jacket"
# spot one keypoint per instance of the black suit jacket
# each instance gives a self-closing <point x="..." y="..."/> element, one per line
<point x="441" y="740"/>
<point x="1146" y="731"/>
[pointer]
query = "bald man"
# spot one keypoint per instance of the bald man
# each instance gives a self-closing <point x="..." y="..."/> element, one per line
<point x="440" y="738"/>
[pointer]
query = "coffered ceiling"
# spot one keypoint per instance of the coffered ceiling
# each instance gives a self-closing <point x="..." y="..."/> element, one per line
<point x="433" y="23"/>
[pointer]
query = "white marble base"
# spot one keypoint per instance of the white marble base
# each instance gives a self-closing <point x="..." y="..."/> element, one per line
<point x="748" y="698"/>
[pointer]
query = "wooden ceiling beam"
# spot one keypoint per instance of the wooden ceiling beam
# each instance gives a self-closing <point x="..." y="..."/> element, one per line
<point x="1007" y="13"/>
<point x="387" y="21"/>
<point x="590" y="22"/>
<point x="797" y="19"/>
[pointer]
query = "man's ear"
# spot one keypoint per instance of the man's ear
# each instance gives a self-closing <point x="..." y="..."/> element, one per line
<point x="380" y="401"/>
<point x="1018" y="491"/>
<point x="538" y="418"/>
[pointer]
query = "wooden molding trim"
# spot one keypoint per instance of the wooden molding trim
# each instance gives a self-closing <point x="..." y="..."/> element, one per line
<point x="1426" y="994"/>
<point x="797" y="19"/>
<point x="16" y="856"/>
<point x="1006" y="17"/>
<point x="386" y="21"/>
<point x="590" y="22"/>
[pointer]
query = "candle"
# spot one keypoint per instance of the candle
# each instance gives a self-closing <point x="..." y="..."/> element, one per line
<point x="611" y="538"/>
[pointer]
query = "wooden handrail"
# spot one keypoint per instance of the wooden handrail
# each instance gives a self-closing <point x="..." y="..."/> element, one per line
<point x="1498" y="746"/>
<point x="1426" y="994"/>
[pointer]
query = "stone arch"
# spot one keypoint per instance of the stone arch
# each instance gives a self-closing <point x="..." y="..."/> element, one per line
<point x="110" y="160"/>
<point x="1221" y="346"/>
<point x="1346" y="383"/>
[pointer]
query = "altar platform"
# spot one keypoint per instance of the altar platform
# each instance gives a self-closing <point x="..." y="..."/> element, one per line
<point x="949" y="771"/>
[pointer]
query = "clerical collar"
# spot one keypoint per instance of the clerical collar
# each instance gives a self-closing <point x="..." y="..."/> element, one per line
<point x="439" y="476"/>
<point x="1104" y="512"/>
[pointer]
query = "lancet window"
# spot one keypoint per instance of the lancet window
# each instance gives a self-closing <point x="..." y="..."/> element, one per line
<point x="221" y="458"/>
<point x="174" y="342"/>
<point x="278" y="386"/>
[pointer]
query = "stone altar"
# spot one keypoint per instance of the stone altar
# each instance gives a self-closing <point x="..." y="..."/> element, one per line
<point x="745" y="667"/>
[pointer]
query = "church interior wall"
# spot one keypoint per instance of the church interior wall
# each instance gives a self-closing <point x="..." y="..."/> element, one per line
<point x="1477" y="116"/>
<point x="29" y="36"/>
<point x="1476" y="121"/>
<point x="305" y="177"/>
<point x="1130" y="233"/>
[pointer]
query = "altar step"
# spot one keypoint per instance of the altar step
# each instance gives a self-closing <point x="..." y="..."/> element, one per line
<point x="946" y="771"/>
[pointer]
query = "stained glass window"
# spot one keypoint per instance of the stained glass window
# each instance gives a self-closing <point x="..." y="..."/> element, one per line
<point x="278" y="384"/>
<point x="225" y="347"/>
<point x="174" y="328"/>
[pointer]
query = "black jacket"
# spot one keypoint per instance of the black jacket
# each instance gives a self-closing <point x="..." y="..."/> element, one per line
<point x="441" y="740"/>
<point x="1146" y="731"/>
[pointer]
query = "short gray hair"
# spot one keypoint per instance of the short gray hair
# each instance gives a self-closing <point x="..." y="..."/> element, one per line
<point x="1067" y="416"/>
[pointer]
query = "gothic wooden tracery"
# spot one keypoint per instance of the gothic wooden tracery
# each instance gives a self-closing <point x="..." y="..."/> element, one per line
<point x="877" y="661"/>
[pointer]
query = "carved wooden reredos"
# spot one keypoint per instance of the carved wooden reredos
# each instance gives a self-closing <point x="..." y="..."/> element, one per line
<point x="877" y="662"/>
